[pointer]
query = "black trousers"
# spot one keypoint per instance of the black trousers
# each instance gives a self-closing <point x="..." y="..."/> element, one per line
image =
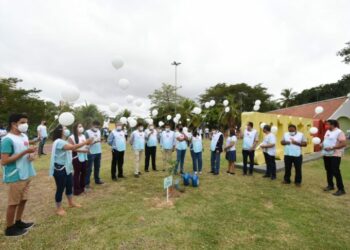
<point x="332" y="166"/>
<point x="289" y="161"/>
<point x="150" y="152"/>
<point x="246" y="154"/>
<point x="118" y="158"/>
<point x="270" y="165"/>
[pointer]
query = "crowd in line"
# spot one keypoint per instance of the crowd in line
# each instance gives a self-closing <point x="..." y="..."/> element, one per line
<point x="75" y="154"/>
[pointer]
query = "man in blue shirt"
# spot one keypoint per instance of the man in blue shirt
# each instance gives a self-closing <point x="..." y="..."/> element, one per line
<point x="16" y="159"/>
<point x="94" y="155"/>
<point x="151" y="147"/>
<point x="117" y="140"/>
<point x="167" y="143"/>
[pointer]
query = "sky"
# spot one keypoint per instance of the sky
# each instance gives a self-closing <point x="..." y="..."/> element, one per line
<point x="52" y="45"/>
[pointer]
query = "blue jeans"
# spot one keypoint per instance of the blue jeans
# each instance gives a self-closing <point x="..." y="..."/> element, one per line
<point x="41" y="146"/>
<point x="93" y="159"/>
<point x="215" y="162"/>
<point x="63" y="182"/>
<point x="197" y="161"/>
<point x="180" y="159"/>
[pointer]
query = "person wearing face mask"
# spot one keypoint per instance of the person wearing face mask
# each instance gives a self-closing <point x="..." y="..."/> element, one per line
<point x="137" y="141"/>
<point x="217" y="140"/>
<point x="250" y="140"/>
<point x="94" y="155"/>
<point x="196" y="147"/>
<point x="230" y="150"/>
<point x="117" y="141"/>
<point x="61" y="167"/>
<point x="42" y="136"/>
<point x="269" y="148"/>
<point x="181" y="146"/>
<point x="151" y="147"/>
<point x="333" y="149"/>
<point x="80" y="159"/>
<point x="293" y="141"/>
<point x="16" y="159"/>
<point x="167" y="143"/>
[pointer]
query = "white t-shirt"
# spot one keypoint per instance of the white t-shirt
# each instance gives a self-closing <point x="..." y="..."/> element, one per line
<point x="249" y="137"/>
<point x="270" y="138"/>
<point x="229" y="140"/>
<point x="42" y="130"/>
<point x="292" y="149"/>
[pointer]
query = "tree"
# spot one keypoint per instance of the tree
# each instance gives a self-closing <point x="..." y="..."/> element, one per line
<point x="288" y="95"/>
<point x="124" y="113"/>
<point x="345" y="53"/>
<point x="87" y="114"/>
<point x="18" y="100"/>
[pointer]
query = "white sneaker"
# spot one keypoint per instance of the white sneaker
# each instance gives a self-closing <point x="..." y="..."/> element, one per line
<point x="200" y="172"/>
<point x="195" y="172"/>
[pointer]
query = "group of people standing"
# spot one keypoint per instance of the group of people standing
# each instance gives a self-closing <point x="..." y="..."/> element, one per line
<point x="75" y="154"/>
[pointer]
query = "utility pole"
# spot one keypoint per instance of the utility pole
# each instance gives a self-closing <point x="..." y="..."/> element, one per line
<point x="174" y="63"/>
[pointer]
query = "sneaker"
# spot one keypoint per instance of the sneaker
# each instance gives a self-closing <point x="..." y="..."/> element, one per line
<point x="195" y="172"/>
<point x="339" y="193"/>
<point x="14" y="231"/>
<point x="114" y="179"/>
<point x="211" y="172"/>
<point x="273" y="178"/>
<point x="155" y="170"/>
<point x="122" y="176"/>
<point x="140" y="173"/>
<point x="328" y="188"/>
<point x="22" y="225"/>
<point x="99" y="183"/>
<point x="146" y="170"/>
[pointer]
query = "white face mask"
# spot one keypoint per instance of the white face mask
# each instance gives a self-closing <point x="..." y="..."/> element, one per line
<point x="81" y="130"/>
<point x="119" y="128"/>
<point x="292" y="133"/>
<point x="140" y="128"/>
<point x="167" y="129"/>
<point x="66" y="132"/>
<point x="151" y="128"/>
<point x="23" y="128"/>
<point x="95" y="129"/>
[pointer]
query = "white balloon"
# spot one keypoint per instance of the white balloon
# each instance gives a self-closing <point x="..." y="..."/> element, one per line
<point x="132" y="123"/>
<point x="188" y="119"/>
<point x="129" y="98"/>
<point x="256" y="107"/>
<point x="274" y="129"/>
<point x="124" y="83"/>
<point x="168" y="117"/>
<point x="130" y="118"/>
<point x="117" y="62"/>
<point x="348" y="95"/>
<point x="70" y="94"/>
<point x="313" y="130"/>
<point x="316" y="140"/>
<point x="197" y="110"/>
<point x="56" y="117"/>
<point x="207" y="104"/>
<point x="138" y="103"/>
<point x="319" y="110"/>
<point x="175" y="120"/>
<point x="225" y="102"/>
<point x="160" y="124"/>
<point x="123" y="120"/>
<point x="149" y="121"/>
<point x="262" y="125"/>
<point x="212" y="103"/>
<point x="113" y="107"/>
<point x="227" y="109"/>
<point x="178" y="116"/>
<point x="154" y="112"/>
<point x="66" y="119"/>
<point x="258" y="102"/>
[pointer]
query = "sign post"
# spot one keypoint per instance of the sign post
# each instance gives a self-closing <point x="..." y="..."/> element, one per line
<point x="168" y="181"/>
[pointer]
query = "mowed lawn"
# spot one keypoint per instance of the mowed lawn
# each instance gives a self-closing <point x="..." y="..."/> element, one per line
<point x="225" y="212"/>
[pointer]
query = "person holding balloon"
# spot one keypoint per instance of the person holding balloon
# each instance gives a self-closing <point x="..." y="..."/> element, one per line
<point x="80" y="159"/>
<point x="167" y="143"/>
<point x="94" y="155"/>
<point x="117" y="141"/>
<point x="217" y="141"/>
<point x="293" y="141"/>
<point x="151" y="147"/>
<point x="61" y="167"/>
<point x="196" y="148"/>
<point x="333" y="149"/>
<point x="181" y="147"/>
<point x="269" y="148"/>
<point x="137" y="141"/>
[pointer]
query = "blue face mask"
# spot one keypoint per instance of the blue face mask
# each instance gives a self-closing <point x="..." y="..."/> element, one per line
<point x="66" y="133"/>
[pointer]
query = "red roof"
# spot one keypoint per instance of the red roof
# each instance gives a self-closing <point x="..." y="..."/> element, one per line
<point x="308" y="110"/>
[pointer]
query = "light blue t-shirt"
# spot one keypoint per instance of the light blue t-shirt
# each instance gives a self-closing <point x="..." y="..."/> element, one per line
<point x="167" y="140"/>
<point x="292" y="149"/>
<point x="152" y="140"/>
<point x="197" y="145"/>
<point x="95" y="148"/>
<point x="60" y="153"/>
<point x="138" y="140"/>
<point x="117" y="140"/>
<point x="180" y="145"/>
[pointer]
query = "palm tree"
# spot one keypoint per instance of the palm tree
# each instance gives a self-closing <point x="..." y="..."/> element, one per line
<point x="288" y="95"/>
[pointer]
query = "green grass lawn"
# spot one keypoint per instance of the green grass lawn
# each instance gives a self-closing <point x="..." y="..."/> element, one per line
<point x="225" y="212"/>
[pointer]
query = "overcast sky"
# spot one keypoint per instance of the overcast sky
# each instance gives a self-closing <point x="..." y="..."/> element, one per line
<point x="282" y="44"/>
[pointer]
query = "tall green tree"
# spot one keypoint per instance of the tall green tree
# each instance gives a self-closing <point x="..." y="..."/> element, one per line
<point x="345" y="53"/>
<point x="19" y="100"/>
<point x="288" y="96"/>
<point x="88" y="113"/>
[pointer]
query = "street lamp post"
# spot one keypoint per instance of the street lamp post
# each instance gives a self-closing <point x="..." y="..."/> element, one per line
<point x="174" y="63"/>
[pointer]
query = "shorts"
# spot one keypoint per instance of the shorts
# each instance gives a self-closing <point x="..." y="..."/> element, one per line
<point x="231" y="156"/>
<point x="17" y="192"/>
